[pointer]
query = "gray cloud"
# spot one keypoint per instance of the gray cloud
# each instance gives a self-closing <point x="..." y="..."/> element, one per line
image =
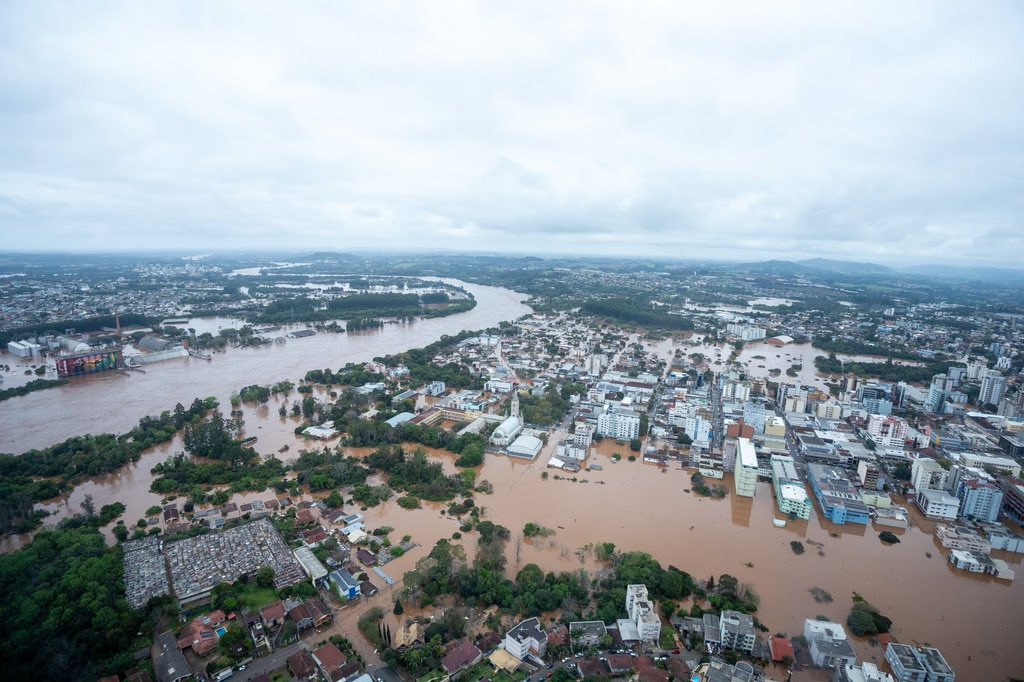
<point x="859" y="130"/>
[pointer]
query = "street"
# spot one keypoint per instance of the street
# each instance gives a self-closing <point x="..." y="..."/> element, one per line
<point x="267" y="664"/>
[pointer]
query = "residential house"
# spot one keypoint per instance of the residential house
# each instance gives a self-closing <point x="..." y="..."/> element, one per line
<point x="273" y="614"/>
<point x="302" y="666"/>
<point x="461" y="656"/>
<point x="330" y="661"/>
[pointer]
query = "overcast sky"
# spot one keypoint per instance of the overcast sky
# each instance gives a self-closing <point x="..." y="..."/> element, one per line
<point x="881" y="131"/>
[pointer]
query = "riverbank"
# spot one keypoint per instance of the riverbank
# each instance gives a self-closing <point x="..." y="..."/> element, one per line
<point x="114" y="402"/>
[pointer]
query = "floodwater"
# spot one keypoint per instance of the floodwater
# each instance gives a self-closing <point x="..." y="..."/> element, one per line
<point x="761" y="358"/>
<point x="114" y="402"/>
<point x="976" y="621"/>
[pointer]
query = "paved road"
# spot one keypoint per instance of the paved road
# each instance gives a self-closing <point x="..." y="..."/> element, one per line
<point x="266" y="664"/>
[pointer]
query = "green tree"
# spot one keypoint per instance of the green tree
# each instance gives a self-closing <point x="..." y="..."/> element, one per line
<point x="265" y="577"/>
<point x="399" y="609"/>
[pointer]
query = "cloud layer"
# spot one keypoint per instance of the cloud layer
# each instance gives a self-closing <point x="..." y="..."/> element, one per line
<point x="865" y="130"/>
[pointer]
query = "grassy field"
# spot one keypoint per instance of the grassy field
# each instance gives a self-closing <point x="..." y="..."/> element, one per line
<point x="253" y="596"/>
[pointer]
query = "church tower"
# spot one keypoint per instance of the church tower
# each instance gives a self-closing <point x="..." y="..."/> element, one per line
<point x="514" y="412"/>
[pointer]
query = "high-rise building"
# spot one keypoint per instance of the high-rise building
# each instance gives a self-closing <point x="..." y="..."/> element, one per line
<point x="927" y="474"/>
<point x="993" y="386"/>
<point x="745" y="475"/>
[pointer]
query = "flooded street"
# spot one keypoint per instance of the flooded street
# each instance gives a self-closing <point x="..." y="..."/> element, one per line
<point x="114" y="402"/>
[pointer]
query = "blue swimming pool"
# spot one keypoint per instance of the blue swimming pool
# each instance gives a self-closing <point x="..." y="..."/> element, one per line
<point x="221" y="631"/>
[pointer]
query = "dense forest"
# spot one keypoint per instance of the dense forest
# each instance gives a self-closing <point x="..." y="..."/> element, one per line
<point x="886" y="371"/>
<point x="636" y="312"/>
<point x="64" y="610"/>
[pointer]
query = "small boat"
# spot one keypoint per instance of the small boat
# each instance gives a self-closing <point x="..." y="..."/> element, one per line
<point x="779" y="523"/>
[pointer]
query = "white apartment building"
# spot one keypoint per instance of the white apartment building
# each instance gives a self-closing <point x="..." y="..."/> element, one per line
<point x="927" y="474"/>
<point x="790" y="493"/>
<point x="641" y="611"/>
<point x="618" y="424"/>
<point x="746" y="332"/>
<point x="993" y="387"/>
<point x="525" y="639"/>
<point x="888" y="432"/>
<point x="584" y="435"/>
<point x="745" y="475"/>
<point x="736" y="390"/>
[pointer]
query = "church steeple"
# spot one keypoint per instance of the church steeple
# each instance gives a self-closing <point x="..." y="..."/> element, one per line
<point x="514" y="411"/>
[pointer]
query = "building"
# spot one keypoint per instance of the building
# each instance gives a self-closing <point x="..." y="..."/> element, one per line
<point x="865" y="672"/>
<point x="463" y="655"/>
<point x="746" y="332"/>
<point x="526" y="639"/>
<point x="737" y="631"/>
<point x="887" y="432"/>
<point x="876" y="397"/>
<point x="927" y="474"/>
<point x="169" y="663"/>
<point x="526" y="447"/>
<point x="918" y="664"/>
<point x="838" y="498"/>
<point x="619" y="423"/>
<point x="587" y="634"/>
<point x="1001" y="465"/>
<point x="868" y="473"/>
<point x="345" y="583"/>
<point x="584" y="435"/>
<point x="745" y="475"/>
<point x="330" y="661"/>
<point x="828" y="644"/>
<point x="310" y="564"/>
<point x="790" y="493"/>
<point x="980" y="497"/>
<point x="641" y="612"/>
<point x="962" y="538"/>
<point x="993" y="388"/>
<point x="937" y="504"/>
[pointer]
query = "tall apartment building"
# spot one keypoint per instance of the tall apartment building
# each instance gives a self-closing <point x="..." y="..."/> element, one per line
<point x="618" y="424"/>
<point x="790" y="493"/>
<point x="583" y="435"/>
<point x="980" y="497"/>
<point x="736" y="390"/>
<point x="888" y="432"/>
<point x="745" y="475"/>
<point x="993" y="387"/>
<point x="746" y="332"/>
<point x="641" y="611"/>
<point x="755" y="414"/>
<point x="927" y="474"/>
<point x="876" y="397"/>
<point x="737" y="631"/>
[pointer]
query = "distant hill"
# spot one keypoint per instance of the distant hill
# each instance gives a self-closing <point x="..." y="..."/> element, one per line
<point x="772" y="267"/>
<point x="979" y="273"/>
<point x="329" y="255"/>
<point x="846" y="266"/>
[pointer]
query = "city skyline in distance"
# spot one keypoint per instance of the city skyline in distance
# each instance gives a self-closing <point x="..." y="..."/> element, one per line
<point x="851" y="131"/>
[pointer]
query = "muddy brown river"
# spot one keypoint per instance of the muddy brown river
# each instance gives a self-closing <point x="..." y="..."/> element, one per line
<point x="977" y="622"/>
